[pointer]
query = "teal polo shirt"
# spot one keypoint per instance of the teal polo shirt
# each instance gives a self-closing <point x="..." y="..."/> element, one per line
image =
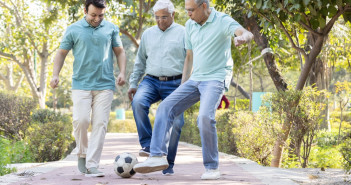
<point x="93" y="54"/>
<point x="211" y="46"/>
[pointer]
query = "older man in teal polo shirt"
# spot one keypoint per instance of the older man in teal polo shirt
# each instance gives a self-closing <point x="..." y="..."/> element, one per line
<point x="208" y="43"/>
<point x="93" y="41"/>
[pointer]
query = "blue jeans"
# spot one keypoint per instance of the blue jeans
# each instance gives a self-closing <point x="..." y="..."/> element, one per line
<point x="150" y="91"/>
<point x="209" y="93"/>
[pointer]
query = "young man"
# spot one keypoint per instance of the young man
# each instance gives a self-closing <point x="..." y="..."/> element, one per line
<point x="161" y="56"/>
<point x="93" y="41"/>
<point x="208" y="43"/>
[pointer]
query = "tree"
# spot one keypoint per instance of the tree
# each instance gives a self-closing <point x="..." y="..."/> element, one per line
<point x="30" y="28"/>
<point x="317" y="17"/>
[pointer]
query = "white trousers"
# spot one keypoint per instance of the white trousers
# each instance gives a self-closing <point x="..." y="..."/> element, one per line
<point x="90" y="107"/>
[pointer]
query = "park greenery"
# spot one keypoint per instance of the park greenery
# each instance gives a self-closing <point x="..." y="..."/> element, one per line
<point x="306" y="117"/>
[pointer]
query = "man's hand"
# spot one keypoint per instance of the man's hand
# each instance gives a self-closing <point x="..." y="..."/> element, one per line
<point x="54" y="82"/>
<point x="244" y="38"/>
<point x="120" y="79"/>
<point x="131" y="93"/>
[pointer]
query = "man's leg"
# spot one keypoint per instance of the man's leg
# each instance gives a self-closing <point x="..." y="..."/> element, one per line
<point x="101" y="108"/>
<point x="145" y="96"/>
<point x="166" y="89"/>
<point x="211" y="93"/>
<point x="81" y="120"/>
<point x="176" y="103"/>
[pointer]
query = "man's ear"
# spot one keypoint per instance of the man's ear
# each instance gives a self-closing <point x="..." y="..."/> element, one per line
<point x="85" y="11"/>
<point x="173" y="14"/>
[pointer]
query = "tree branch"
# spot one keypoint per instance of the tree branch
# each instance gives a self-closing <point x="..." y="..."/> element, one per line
<point x="290" y="38"/>
<point x="125" y="32"/>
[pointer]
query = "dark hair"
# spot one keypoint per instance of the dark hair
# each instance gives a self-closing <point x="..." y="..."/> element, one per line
<point x="97" y="3"/>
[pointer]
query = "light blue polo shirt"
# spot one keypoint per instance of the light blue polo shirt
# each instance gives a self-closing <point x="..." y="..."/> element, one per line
<point x="211" y="46"/>
<point x="93" y="54"/>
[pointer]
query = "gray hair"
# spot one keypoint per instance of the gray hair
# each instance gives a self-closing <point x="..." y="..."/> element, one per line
<point x="198" y="2"/>
<point x="164" y="4"/>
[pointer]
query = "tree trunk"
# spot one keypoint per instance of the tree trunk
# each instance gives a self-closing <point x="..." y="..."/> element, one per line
<point x="241" y="90"/>
<point x="262" y="42"/>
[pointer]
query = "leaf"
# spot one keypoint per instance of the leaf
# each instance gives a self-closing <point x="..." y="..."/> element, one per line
<point x="322" y="22"/>
<point x="305" y="2"/>
<point x="259" y="4"/>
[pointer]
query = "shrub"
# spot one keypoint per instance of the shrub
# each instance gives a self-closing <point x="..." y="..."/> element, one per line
<point x="5" y="157"/>
<point x="123" y="126"/>
<point x="345" y="150"/>
<point x="49" y="136"/>
<point x="256" y="134"/>
<point x="15" y="115"/>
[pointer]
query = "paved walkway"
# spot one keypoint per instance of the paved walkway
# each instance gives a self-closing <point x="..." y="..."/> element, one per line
<point x="188" y="169"/>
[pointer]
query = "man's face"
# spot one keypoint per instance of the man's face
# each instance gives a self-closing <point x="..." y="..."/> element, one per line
<point x="94" y="15"/>
<point x="195" y="11"/>
<point x="164" y="19"/>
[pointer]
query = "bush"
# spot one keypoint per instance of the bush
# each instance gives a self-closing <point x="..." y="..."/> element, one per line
<point x="5" y="157"/>
<point x="123" y="126"/>
<point x="15" y="115"/>
<point x="50" y="135"/>
<point x="345" y="150"/>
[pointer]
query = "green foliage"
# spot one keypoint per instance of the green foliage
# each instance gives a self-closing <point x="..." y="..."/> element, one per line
<point x="325" y="157"/>
<point x="49" y="136"/>
<point x="15" y="115"/>
<point x="122" y="126"/>
<point x="256" y="134"/>
<point x="241" y="104"/>
<point x="345" y="150"/>
<point x="5" y="158"/>
<point x="327" y="139"/>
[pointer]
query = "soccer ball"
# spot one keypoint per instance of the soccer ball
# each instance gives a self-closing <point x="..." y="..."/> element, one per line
<point x="124" y="164"/>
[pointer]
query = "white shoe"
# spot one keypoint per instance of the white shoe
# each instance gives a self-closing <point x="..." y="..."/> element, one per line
<point x="151" y="164"/>
<point x="211" y="174"/>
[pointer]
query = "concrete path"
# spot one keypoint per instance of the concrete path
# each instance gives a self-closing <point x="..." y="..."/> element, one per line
<point x="188" y="169"/>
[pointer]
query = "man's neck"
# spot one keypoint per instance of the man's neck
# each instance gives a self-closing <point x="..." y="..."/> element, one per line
<point x="207" y="15"/>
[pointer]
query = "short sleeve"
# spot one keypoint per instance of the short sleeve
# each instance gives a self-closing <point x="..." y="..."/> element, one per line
<point x="116" y="39"/>
<point x="230" y="25"/>
<point x="67" y="40"/>
<point x="187" y="36"/>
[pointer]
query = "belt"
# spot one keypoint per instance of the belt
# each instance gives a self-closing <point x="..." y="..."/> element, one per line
<point x="166" y="78"/>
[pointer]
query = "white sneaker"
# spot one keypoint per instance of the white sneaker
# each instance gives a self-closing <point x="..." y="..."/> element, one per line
<point x="211" y="174"/>
<point x="151" y="164"/>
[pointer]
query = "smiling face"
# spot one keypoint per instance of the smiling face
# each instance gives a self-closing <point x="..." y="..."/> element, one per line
<point x="164" y="19"/>
<point x="94" y="15"/>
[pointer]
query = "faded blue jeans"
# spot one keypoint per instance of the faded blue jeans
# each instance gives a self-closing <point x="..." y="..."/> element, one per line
<point x="209" y="93"/>
<point x="150" y="91"/>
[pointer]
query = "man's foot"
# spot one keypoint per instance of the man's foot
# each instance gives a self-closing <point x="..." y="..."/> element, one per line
<point x="211" y="174"/>
<point x="151" y="164"/>
<point x="169" y="171"/>
<point x="81" y="165"/>
<point x="144" y="152"/>
<point x="94" y="172"/>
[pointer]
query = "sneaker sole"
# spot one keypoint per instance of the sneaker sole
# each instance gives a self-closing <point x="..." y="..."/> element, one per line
<point x="94" y="175"/>
<point x="149" y="169"/>
<point x="168" y="174"/>
<point x="144" y="154"/>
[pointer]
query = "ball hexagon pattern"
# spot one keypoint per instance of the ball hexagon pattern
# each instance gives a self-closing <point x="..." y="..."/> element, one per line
<point x="123" y="165"/>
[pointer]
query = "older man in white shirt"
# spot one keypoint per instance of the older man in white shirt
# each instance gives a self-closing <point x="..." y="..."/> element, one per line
<point x="160" y="56"/>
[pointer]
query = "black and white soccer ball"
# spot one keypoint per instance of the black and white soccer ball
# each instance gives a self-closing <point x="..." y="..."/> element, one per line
<point x="124" y="164"/>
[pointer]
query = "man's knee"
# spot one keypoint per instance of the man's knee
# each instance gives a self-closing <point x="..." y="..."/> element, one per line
<point x="81" y="123"/>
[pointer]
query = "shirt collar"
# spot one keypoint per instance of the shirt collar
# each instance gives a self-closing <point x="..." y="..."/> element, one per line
<point x="170" y="27"/>
<point x="86" y="24"/>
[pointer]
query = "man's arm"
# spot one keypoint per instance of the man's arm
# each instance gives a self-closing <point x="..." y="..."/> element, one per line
<point x="58" y="63"/>
<point x="242" y="36"/>
<point x="188" y="65"/>
<point x="121" y="61"/>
